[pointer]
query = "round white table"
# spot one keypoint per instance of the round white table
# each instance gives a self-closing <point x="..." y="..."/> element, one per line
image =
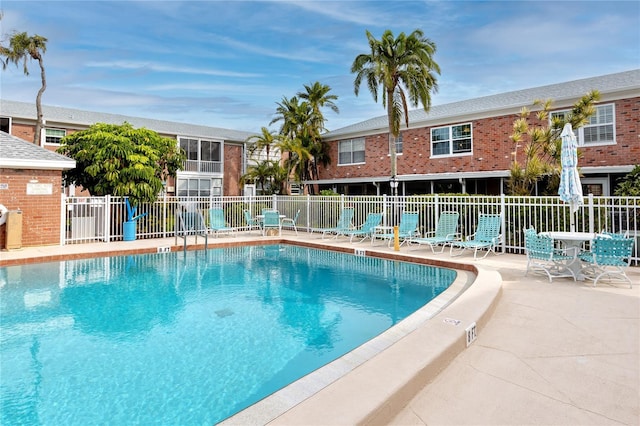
<point x="572" y="241"/>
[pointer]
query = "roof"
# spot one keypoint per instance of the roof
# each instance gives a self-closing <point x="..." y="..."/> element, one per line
<point x="16" y="153"/>
<point x="76" y="117"/>
<point x="567" y="93"/>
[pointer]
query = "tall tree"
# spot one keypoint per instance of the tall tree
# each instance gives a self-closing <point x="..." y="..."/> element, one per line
<point x="318" y="97"/>
<point x="403" y="67"/>
<point x="119" y="160"/>
<point x="21" y="48"/>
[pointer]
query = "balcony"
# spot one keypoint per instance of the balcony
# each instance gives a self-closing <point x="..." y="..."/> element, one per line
<point x="202" y="166"/>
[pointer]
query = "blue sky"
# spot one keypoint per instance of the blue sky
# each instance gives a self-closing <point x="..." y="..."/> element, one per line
<point x="227" y="63"/>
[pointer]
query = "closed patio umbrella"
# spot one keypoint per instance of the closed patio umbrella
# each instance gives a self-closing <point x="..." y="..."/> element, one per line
<point x="570" y="190"/>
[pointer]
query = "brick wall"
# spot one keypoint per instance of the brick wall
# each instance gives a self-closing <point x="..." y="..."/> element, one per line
<point x="232" y="169"/>
<point x="23" y="131"/>
<point x="627" y="148"/>
<point x="492" y="148"/>
<point x="40" y="213"/>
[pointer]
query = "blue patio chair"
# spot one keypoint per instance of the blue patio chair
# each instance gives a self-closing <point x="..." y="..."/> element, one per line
<point x="544" y="257"/>
<point x="218" y="224"/>
<point x="344" y="223"/>
<point x="271" y="221"/>
<point x="407" y="229"/>
<point x="291" y="222"/>
<point x="487" y="236"/>
<point x="446" y="232"/>
<point x="366" y="230"/>
<point x="607" y="257"/>
<point x="252" y="222"/>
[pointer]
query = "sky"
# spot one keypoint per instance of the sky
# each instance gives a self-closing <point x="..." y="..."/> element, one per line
<point x="228" y="63"/>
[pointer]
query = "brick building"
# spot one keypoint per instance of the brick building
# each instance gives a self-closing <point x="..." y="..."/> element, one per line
<point x="31" y="182"/>
<point x="465" y="147"/>
<point x="216" y="157"/>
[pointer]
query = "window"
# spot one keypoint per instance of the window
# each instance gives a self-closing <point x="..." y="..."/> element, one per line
<point x="53" y="136"/>
<point x="451" y="140"/>
<point x="5" y="124"/>
<point x="351" y="151"/>
<point x="190" y="147"/>
<point x="202" y="155"/>
<point x="209" y="151"/>
<point x="199" y="187"/>
<point x="398" y="144"/>
<point x="599" y="130"/>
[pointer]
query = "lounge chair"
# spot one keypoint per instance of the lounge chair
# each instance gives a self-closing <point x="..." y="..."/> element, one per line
<point x="487" y="236"/>
<point x="544" y="257"/>
<point x="366" y="230"/>
<point x="609" y="256"/>
<point x="344" y="223"/>
<point x="271" y="221"/>
<point x="407" y="229"/>
<point x="291" y="221"/>
<point x="446" y="232"/>
<point x="218" y="224"/>
<point x="252" y="223"/>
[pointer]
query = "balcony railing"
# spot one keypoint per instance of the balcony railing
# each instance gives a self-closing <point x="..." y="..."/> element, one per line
<point x="202" y="166"/>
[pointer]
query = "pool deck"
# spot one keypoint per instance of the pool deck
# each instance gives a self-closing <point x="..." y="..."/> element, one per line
<point x="546" y="353"/>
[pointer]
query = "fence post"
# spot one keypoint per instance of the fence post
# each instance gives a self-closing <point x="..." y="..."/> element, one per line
<point x="274" y="202"/>
<point x="164" y="214"/>
<point x="504" y="222"/>
<point x="384" y="210"/>
<point x="308" y="213"/>
<point x="591" y="217"/>
<point x="63" y="218"/>
<point x="106" y="224"/>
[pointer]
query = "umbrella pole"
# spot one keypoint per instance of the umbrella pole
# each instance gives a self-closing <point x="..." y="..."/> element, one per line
<point x="572" y="221"/>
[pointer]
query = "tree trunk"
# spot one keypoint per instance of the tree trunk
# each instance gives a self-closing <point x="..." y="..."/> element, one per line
<point x="392" y="141"/>
<point x="37" y="139"/>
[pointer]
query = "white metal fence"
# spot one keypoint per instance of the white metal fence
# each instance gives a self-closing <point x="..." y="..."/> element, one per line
<point x="90" y="219"/>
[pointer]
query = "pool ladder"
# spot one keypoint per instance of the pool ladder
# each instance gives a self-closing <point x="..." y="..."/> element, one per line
<point x="190" y="223"/>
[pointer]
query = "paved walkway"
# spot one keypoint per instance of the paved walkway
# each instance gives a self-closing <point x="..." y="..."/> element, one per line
<point x="560" y="353"/>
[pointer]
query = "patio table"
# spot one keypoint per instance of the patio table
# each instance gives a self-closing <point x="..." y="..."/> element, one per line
<point x="572" y="241"/>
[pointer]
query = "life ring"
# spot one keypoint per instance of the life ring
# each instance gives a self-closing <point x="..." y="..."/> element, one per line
<point x="3" y="214"/>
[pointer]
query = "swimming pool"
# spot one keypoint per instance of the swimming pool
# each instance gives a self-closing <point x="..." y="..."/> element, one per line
<point x="188" y="338"/>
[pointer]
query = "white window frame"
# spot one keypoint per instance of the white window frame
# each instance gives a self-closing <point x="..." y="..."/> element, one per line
<point x="44" y="136"/>
<point x="595" y="121"/>
<point x="198" y="151"/>
<point x="351" y="151"/>
<point x="399" y="144"/>
<point x="197" y="186"/>
<point x="602" y="181"/>
<point x="452" y="140"/>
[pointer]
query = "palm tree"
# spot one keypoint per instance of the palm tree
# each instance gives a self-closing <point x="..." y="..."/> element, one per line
<point x="263" y="173"/>
<point x="21" y="48"/>
<point x="297" y="157"/>
<point x="261" y="142"/>
<point x="317" y="96"/>
<point x="403" y="67"/>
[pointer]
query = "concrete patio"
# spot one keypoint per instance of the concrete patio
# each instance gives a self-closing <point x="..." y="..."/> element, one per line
<point x="547" y="353"/>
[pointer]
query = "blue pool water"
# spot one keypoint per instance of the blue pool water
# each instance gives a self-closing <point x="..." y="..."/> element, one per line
<point x="188" y="338"/>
